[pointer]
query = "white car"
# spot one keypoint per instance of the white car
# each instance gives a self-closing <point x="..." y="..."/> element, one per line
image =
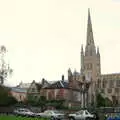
<point x="81" y="115"/>
<point x="52" y="114"/>
<point x="23" y="112"/>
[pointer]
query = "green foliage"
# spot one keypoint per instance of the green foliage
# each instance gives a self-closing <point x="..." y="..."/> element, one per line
<point x="36" y="100"/>
<point x="102" y="102"/>
<point x="58" y="104"/>
<point x="42" y="102"/>
<point x="5" y="98"/>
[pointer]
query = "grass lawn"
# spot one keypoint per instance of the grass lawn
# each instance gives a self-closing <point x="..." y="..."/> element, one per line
<point x="10" y="117"/>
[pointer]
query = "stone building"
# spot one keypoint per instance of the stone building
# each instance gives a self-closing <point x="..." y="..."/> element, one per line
<point x="108" y="84"/>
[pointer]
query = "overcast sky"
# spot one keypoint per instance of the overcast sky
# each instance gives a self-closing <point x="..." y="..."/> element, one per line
<point x="43" y="37"/>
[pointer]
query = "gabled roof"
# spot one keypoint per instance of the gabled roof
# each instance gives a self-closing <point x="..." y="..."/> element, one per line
<point x="38" y="86"/>
<point x="58" y="84"/>
<point x="46" y="84"/>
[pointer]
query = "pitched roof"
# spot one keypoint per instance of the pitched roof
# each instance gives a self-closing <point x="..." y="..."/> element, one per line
<point x="58" y="84"/>
<point x="39" y="86"/>
<point x="20" y="90"/>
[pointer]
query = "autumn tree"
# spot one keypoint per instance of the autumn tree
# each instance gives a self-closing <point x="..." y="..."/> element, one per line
<point x="5" y="69"/>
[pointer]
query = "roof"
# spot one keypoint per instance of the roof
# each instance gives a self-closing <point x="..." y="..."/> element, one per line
<point x="58" y="84"/>
<point x="110" y="74"/>
<point x="24" y="85"/>
<point x="39" y="86"/>
<point x="114" y="76"/>
<point x="20" y="90"/>
<point x="47" y="84"/>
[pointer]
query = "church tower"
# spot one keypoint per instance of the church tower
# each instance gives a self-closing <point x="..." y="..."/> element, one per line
<point x="90" y="59"/>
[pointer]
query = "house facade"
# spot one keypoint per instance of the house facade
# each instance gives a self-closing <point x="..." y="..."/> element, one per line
<point x="61" y="90"/>
<point x="33" y="92"/>
<point x="19" y="94"/>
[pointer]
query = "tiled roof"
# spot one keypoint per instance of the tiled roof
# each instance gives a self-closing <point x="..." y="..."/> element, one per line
<point x="39" y="86"/>
<point x="58" y="84"/>
<point x="20" y="90"/>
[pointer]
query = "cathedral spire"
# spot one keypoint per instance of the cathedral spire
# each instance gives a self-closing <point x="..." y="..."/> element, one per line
<point x="90" y="49"/>
<point x="90" y="39"/>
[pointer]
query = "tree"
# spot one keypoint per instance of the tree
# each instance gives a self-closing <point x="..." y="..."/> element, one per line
<point x="58" y="104"/>
<point x="5" y="98"/>
<point x="36" y="101"/>
<point x="42" y="102"/>
<point x="5" y="68"/>
<point x="100" y="100"/>
<point x="103" y="101"/>
<point x="32" y="100"/>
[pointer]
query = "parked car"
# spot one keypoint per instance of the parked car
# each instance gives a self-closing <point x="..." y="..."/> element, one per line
<point x="52" y="114"/>
<point x="81" y="115"/>
<point x="24" y="112"/>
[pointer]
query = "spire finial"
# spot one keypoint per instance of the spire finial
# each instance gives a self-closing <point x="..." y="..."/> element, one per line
<point x="90" y="39"/>
<point x="88" y="10"/>
<point x="82" y="48"/>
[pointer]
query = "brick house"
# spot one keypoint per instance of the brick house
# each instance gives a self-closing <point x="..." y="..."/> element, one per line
<point x="19" y="94"/>
<point x="61" y="90"/>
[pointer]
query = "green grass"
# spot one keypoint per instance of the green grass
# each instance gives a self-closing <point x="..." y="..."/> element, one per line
<point x="10" y="117"/>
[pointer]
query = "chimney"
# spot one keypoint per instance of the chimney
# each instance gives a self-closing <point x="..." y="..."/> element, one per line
<point x="43" y="81"/>
<point x="62" y="77"/>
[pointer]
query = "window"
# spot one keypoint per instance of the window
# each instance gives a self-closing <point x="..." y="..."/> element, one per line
<point x="88" y="76"/>
<point x="109" y="90"/>
<point x="89" y="66"/>
<point x="86" y="113"/>
<point x="81" y="112"/>
<point x="99" y="83"/>
<point x="104" y="83"/>
<point x="111" y="83"/>
<point x="117" y="83"/>
<point x="116" y="90"/>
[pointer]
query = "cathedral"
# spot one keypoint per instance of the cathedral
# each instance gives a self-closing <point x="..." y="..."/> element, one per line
<point x="81" y="88"/>
<point x="90" y="73"/>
